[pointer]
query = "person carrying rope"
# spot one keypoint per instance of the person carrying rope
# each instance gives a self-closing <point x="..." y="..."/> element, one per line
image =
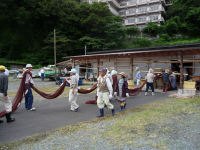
<point x="138" y="76"/>
<point x="150" y="79"/>
<point x="27" y="89"/>
<point x="73" y="93"/>
<point x="122" y="91"/>
<point x="4" y="96"/>
<point x="104" y="93"/>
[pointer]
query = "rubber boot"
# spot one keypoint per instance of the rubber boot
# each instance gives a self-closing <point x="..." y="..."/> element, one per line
<point x="1" y="121"/>
<point x="113" y="112"/>
<point x="9" y="119"/>
<point x="101" y="113"/>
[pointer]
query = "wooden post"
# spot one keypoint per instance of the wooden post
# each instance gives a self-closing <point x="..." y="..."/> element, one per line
<point x="131" y="68"/>
<point x="73" y="63"/>
<point x="86" y="66"/>
<point x="115" y="64"/>
<point x="98" y="63"/>
<point x="181" y="71"/>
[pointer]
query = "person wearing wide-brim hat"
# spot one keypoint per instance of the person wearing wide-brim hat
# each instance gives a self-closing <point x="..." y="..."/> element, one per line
<point x="104" y="93"/>
<point x="4" y="95"/>
<point x="73" y="92"/>
<point x="27" y="90"/>
<point x="121" y="91"/>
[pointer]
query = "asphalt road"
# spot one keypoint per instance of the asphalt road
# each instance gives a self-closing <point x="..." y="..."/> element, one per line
<point x="52" y="114"/>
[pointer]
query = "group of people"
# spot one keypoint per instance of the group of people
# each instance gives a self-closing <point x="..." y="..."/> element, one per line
<point x="168" y="77"/>
<point x="4" y="88"/>
<point x="105" y="90"/>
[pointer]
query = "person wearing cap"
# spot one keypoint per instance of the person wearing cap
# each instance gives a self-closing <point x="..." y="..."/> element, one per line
<point x="4" y="95"/>
<point x="122" y="91"/>
<point x="28" y="92"/>
<point x="150" y="79"/>
<point x="104" y="93"/>
<point x="73" y="92"/>
<point x="166" y="75"/>
<point x="138" y="76"/>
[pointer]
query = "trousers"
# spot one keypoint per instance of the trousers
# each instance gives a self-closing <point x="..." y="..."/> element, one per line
<point x="7" y="103"/>
<point x="73" y="99"/>
<point x="103" y="99"/>
<point x="29" y="99"/>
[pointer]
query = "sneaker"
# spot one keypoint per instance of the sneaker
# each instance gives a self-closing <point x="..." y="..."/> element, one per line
<point x="145" y="94"/>
<point x="75" y="110"/>
<point x="33" y="109"/>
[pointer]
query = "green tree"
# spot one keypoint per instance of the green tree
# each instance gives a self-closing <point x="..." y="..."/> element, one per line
<point x="151" y="29"/>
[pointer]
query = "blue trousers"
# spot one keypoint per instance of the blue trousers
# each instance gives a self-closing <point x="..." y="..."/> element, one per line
<point x="149" y="85"/>
<point x="29" y="99"/>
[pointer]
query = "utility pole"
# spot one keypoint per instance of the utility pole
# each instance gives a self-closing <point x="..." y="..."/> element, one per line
<point x="85" y="50"/>
<point x="55" y="49"/>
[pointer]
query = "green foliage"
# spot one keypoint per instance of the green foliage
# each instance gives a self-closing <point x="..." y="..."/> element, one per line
<point x="26" y="29"/>
<point x="151" y="29"/>
<point x="188" y="14"/>
<point x="143" y="42"/>
<point x="132" y="31"/>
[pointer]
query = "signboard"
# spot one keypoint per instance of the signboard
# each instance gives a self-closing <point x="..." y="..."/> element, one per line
<point x="189" y="85"/>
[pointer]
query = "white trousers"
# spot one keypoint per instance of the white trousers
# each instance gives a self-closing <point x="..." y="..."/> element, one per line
<point x="7" y="103"/>
<point x="73" y="99"/>
<point x="103" y="98"/>
<point x="138" y="82"/>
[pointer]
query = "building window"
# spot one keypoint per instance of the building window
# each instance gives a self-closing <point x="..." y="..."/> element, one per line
<point x="142" y="9"/>
<point x="154" y="7"/>
<point x="123" y="4"/>
<point x="131" y="11"/>
<point x="142" y="19"/>
<point x="154" y="18"/>
<point x="142" y="1"/>
<point x="122" y="13"/>
<point x="132" y="2"/>
<point x="131" y="20"/>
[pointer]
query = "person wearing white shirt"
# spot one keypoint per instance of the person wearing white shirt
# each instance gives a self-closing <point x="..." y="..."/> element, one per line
<point x="150" y="79"/>
<point x="73" y="92"/>
<point x="42" y="74"/>
<point x="28" y="91"/>
<point x="104" y="93"/>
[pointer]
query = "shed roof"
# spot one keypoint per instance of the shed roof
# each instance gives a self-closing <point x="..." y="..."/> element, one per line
<point x="185" y="49"/>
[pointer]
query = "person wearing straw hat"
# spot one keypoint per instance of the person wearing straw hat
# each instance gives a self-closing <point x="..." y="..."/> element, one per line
<point x="28" y="92"/>
<point x="150" y="79"/>
<point x="104" y="93"/>
<point x="122" y="91"/>
<point x="4" y="95"/>
<point x="73" y="93"/>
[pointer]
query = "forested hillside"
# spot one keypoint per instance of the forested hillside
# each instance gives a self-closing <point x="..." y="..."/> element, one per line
<point x="26" y="28"/>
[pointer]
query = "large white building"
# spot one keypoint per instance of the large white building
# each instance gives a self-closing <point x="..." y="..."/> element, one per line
<point x="137" y="12"/>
